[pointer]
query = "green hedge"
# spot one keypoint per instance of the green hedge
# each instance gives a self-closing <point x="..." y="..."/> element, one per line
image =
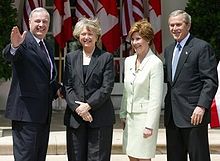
<point x="206" y="21"/>
<point x="8" y="16"/>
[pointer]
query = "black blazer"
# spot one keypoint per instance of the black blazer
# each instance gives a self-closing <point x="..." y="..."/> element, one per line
<point x="195" y="82"/>
<point x="32" y="90"/>
<point x="95" y="89"/>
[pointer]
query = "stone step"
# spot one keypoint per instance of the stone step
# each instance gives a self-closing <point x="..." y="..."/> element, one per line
<point x="114" y="157"/>
<point x="57" y="142"/>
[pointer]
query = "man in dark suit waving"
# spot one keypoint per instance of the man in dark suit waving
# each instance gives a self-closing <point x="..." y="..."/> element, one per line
<point x="192" y="83"/>
<point x="33" y="88"/>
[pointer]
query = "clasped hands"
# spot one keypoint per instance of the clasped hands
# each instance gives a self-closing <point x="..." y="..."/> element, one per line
<point x="83" y="111"/>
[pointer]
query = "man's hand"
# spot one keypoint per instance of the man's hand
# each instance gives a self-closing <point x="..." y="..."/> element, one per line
<point x="60" y="93"/>
<point x="16" y="37"/>
<point x="197" y="115"/>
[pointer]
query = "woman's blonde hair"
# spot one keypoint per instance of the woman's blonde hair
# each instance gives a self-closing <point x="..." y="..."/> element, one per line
<point x="91" y="24"/>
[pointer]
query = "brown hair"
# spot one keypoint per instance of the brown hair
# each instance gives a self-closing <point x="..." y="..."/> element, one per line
<point x="145" y="30"/>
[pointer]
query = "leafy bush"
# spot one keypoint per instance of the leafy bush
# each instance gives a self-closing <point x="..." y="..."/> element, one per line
<point x="8" y="16"/>
<point x="206" y="21"/>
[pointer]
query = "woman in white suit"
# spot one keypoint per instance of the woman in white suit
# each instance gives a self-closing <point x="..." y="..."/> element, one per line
<point x="142" y="96"/>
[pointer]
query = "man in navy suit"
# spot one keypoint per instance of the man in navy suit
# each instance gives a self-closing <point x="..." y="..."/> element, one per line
<point x="33" y="88"/>
<point x="192" y="83"/>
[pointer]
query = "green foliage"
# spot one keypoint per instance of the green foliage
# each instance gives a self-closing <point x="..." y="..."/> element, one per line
<point x="206" y="21"/>
<point x="8" y="16"/>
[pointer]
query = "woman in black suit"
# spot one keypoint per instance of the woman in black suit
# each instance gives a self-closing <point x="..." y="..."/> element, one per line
<point x="88" y="81"/>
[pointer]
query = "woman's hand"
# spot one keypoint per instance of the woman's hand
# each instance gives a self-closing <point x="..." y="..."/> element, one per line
<point x="82" y="109"/>
<point x="87" y="117"/>
<point x="147" y="132"/>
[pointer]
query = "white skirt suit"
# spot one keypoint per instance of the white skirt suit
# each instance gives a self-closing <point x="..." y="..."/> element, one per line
<point x="141" y="104"/>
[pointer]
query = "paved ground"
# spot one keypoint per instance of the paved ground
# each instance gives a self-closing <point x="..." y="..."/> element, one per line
<point x="214" y="157"/>
<point x="58" y="137"/>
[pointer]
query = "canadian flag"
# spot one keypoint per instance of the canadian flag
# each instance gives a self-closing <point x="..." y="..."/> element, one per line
<point x="62" y="22"/>
<point x="107" y="14"/>
<point x="29" y="5"/>
<point x="155" y="20"/>
<point x="215" y="108"/>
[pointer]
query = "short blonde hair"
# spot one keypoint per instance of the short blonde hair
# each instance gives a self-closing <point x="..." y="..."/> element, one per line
<point x="91" y="24"/>
<point x="145" y="30"/>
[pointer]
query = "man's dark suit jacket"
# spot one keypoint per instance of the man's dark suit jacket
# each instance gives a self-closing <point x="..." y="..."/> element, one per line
<point x="95" y="89"/>
<point x="195" y="82"/>
<point x="32" y="90"/>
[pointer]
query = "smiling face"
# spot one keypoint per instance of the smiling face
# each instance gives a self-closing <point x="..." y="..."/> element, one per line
<point x="88" y="39"/>
<point x="178" y="27"/>
<point x="39" y="24"/>
<point x="139" y="44"/>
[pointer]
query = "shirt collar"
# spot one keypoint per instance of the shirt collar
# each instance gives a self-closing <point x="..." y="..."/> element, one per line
<point x="38" y="40"/>
<point x="183" y="42"/>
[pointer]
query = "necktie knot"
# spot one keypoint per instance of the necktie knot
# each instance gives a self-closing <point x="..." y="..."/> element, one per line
<point x="41" y="43"/>
<point x="178" y="46"/>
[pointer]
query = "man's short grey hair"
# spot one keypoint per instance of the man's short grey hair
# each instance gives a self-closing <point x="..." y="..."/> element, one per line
<point x="186" y="16"/>
<point x="39" y="9"/>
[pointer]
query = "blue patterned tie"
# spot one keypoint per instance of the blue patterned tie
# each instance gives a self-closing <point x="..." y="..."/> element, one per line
<point x="175" y="59"/>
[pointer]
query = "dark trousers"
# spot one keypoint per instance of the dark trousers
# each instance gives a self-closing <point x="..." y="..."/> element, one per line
<point x="30" y="141"/>
<point x="89" y="144"/>
<point x="183" y="141"/>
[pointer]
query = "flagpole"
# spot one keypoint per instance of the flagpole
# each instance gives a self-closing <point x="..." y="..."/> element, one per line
<point x="60" y="66"/>
<point x="59" y="100"/>
<point x="146" y="8"/>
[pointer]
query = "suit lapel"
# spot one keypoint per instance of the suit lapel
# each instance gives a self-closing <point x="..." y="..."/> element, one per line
<point x="79" y="65"/>
<point x="169" y="61"/>
<point x="183" y="57"/>
<point x="145" y="60"/>
<point x="38" y="52"/>
<point x="93" y="63"/>
<point x="50" y="50"/>
<point x="131" y="63"/>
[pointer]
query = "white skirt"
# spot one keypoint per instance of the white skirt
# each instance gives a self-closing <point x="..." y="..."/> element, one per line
<point x="134" y="144"/>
